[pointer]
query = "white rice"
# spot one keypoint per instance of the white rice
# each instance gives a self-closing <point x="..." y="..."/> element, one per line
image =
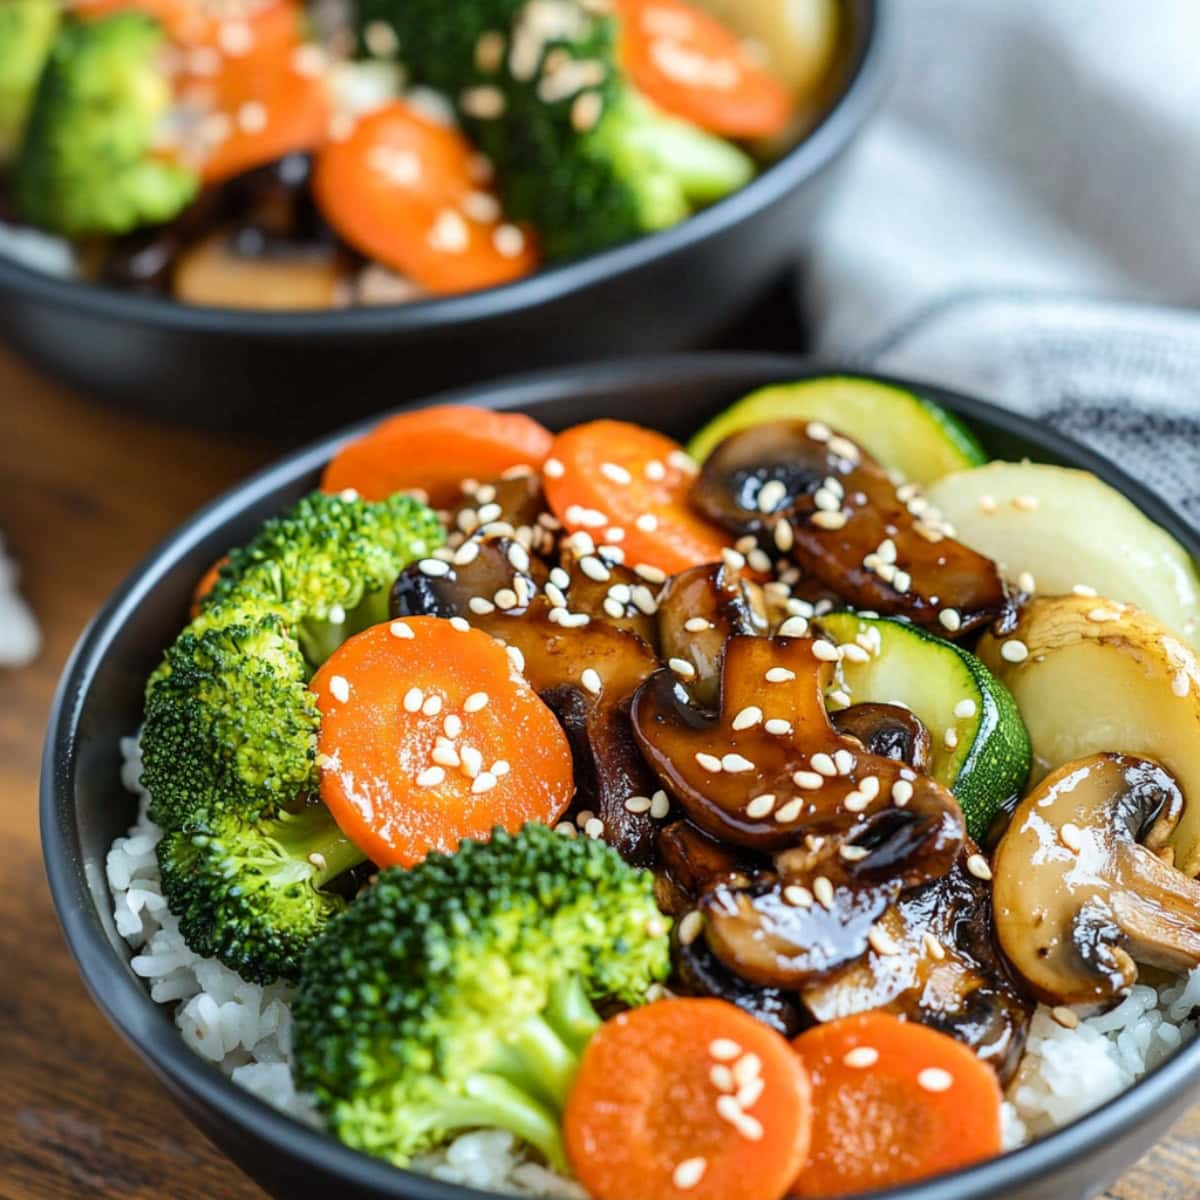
<point x="246" y="1031"/>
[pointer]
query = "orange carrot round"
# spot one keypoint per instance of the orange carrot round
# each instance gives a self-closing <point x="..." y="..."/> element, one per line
<point x="611" y="475"/>
<point x="428" y="736"/>
<point x="205" y="584"/>
<point x="402" y="188"/>
<point x="434" y="450"/>
<point x="687" y="1098"/>
<point x="893" y="1102"/>
<point x="690" y="64"/>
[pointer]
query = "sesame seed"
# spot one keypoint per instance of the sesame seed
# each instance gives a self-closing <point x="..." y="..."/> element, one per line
<point x="826" y="501"/>
<point x="771" y="495"/>
<point x="467" y="553"/>
<point x="500" y="767"/>
<point x="637" y="804"/>
<point x="1068" y="1018"/>
<point x="660" y="805"/>
<point x="649" y="573"/>
<point x="594" y="569"/>
<point x="682" y="668"/>
<point x="950" y="619"/>
<point x="760" y="806"/>
<point x="965" y="709"/>
<point x="839" y="697"/>
<point x="902" y="792"/>
<point x="902" y="581"/>
<point x="759" y="561"/>
<point x="489" y="51"/>
<point x="489" y="511"/>
<point x="483" y="782"/>
<point x="790" y="811"/>
<point x="1026" y="582"/>
<point x="505" y="598"/>
<point x="749" y="716"/>
<point x="1101" y="615"/>
<point x="236" y="38"/>
<point x="987" y="504"/>
<point x="644" y="601"/>
<point x="844" y="448"/>
<point x="566" y="828"/>
<point x="444" y="754"/>
<point x="978" y="866"/>
<point x="252" y="117"/>
<point x="586" y="111"/>
<point x="736" y="764"/>
<point x="1071" y="836"/>
<point x="950" y="739"/>
<point x="381" y="39"/>
<point x="733" y="559"/>
<point x="823" y="891"/>
<point x="689" y="1173"/>
<point x="818" y="431"/>
<point x="690" y="925"/>
<point x="854" y="652"/>
<point x="720" y="1076"/>
<point x="778" y="726"/>
<point x="592" y="681"/>
<point x="861" y="1057"/>
<point x="779" y="675"/>
<point x="646" y="522"/>
<point x="554" y="468"/>
<point x="1025" y="503"/>
<point x="475" y="701"/>
<point x="853" y="853"/>
<point x="823" y="764"/>
<point x="483" y="102"/>
<point x="709" y="762"/>
<point x="794" y="627"/>
<point x="431" y="777"/>
<point x="747" y="1068"/>
<point x="810" y="781"/>
<point x="593" y="828"/>
<point x="399" y="630"/>
<point x="458" y="624"/>
<point x="934" y="1079"/>
<point x="1083" y="589"/>
<point x="1014" y="651"/>
<point x="748" y="1096"/>
<point x="434" y="568"/>
<point x="1181" y="684"/>
<point x="616" y="473"/>
<point x="844" y="761"/>
<point x="413" y="699"/>
<point x="697" y="624"/>
<point x="785" y="536"/>
<point x="480" y="606"/>
<point x="855" y="802"/>
<point x="612" y="608"/>
<point x="881" y="941"/>
<point x="798" y="896"/>
<point x="432" y="706"/>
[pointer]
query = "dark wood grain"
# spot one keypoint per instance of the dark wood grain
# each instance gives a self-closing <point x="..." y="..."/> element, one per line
<point x="84" y="492"/>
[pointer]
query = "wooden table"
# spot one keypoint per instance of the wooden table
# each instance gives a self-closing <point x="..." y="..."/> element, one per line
<point x="84" y="492"/>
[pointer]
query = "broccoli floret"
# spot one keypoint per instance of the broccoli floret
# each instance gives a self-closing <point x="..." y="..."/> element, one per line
<point x="329" y="564"/>
<point x="249" y="893"/>
<point x="230" y="723"/>
<point x="27" y="29"/>
<point x="86" y="164"/>
<point x="583" y="185"/>
<point x="460" y="993"/>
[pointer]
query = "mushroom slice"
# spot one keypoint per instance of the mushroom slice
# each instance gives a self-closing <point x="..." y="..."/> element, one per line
<point x="698" y="972"/>
<point x="879" y="546"/>
<point x="694" y="862"/>
<point x="1084" y="889"/>
<point x="510" y="506"/>
<point x="585" y="670"/>
<point x="699" y="611"/>
<point x="589" y="580"/>
<point x="887" y="730"/>
<point x="937" y="963"/>
<point x="767" y="766"/>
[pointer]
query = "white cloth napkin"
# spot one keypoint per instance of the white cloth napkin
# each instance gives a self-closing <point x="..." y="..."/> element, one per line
<point x="1030" y="151"/>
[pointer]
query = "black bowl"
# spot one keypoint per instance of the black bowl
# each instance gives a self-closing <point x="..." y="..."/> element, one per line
<point x="668" y="291"/>
<point x="83" y="806"/>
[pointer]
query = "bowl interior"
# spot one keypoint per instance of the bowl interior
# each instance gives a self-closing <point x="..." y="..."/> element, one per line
<point x="84" y="806"/>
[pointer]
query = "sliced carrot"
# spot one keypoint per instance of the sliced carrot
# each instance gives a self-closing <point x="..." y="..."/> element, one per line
<point x="893" y="1102"/>
<point x="691" y="65"/>
<point x="434" y="450"/>
<point x="248" y="27"/>
<point x="611" y="475"/>
<point x="687" y="1098"/>
<point x="205" y="584"/>
<point x="428" y="736"/>
<point x="403" y="188"/>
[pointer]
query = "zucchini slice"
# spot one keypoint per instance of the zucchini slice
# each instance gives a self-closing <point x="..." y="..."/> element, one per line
<point x="901" y="429"/>
<point x="980" y="745"/>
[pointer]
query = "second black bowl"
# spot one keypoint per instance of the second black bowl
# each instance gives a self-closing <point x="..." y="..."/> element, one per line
<point x="667" y="291"/>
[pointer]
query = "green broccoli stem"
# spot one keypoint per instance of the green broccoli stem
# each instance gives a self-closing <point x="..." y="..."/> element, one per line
<point x="312" y="838"/>
<point x="494" y="1102"/>
<point x="319" y="639"/>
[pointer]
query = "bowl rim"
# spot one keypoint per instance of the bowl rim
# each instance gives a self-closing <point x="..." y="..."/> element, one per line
<point x="846" y="115"/>
<point x="147" y="1027"/>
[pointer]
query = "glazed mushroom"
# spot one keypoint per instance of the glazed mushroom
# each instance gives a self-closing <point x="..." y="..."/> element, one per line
<point x="698" y="612"/>
<point x="585" y="670"/>
<point x="937" y="963"/>
<point x="510" y="506"/>
<point x="691" y="863"/>
<point x="1085" y="889"/>
<point x="767" y="767"/>
<point x="887" y="730"/>
<point x="820" y="499"/>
